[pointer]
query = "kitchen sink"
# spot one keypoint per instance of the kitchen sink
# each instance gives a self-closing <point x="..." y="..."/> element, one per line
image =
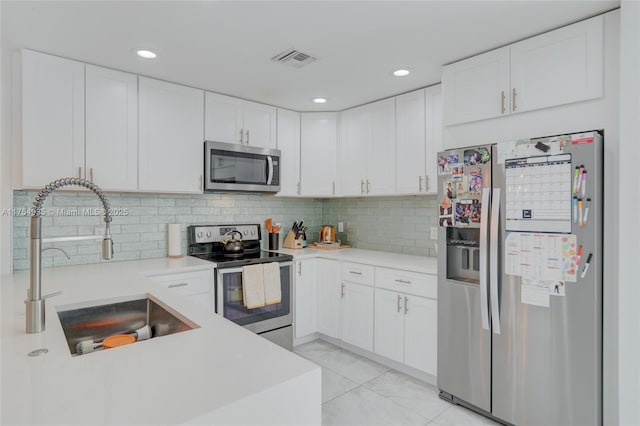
<point x="97" y="320"/>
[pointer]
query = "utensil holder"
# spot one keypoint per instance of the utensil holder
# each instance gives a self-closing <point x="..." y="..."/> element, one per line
<point x="274" y="241"/>
<point x="291" y="242"/>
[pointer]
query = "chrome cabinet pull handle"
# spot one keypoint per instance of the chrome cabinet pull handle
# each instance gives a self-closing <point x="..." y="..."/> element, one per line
<point x="80" y="172"/>
<point x="361" y="186"/>
<point x="342" y="291"/>
<point x="399" y="301"/>
<point x="178" y="285"/>
<point x="406" y="305"/>
<point x="247" y="141"/>
<point x="334" y="187"/>
<point x="299" y="269"/>
<point x="403" y="281"/>
<point x="513" y="100"/>
<point x="91" y="174"/>
<point x="368" y="183"/>
<point x="241" y="137"/>
<point x="426" y="183"/>
<point x="355" y="272"/>
<point x="502" y="96"/>
<point x="419" y="183"/>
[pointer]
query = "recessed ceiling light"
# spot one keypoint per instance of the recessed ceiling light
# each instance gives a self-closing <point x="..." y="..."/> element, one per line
<point x="146" y="54"/>
<point x="401" y="73"/>
<point x="320" y="100"/>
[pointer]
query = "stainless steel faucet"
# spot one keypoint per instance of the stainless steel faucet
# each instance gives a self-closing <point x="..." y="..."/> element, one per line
<point x="35" y="300"/>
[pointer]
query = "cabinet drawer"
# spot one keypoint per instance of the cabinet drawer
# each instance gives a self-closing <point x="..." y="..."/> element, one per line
<point x="358" y="273"/>
<point x="424" y="285"/>
<point x="187" y="283"/>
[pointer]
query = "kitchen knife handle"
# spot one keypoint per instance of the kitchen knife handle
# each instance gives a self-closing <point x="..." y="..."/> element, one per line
<point x="493" y="269"/>
<point x="484" y="246"/>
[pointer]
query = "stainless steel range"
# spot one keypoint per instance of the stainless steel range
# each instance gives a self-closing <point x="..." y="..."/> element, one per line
<point x="273" y="322"/>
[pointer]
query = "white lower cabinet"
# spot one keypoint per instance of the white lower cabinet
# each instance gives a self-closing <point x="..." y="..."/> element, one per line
<point x="328" y="297"/>
<point x="357" y="315"/>
<point x="195" y="286"/>
<point x="305" y="297"/>
<point x="421" y="333"/>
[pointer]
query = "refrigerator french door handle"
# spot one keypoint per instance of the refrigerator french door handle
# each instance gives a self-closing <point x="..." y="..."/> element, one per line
<point x="493" y="270"/>
<point x="484" y="246"/>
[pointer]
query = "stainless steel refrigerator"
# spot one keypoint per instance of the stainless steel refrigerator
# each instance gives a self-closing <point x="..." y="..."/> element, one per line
<point x="520" y="279"/>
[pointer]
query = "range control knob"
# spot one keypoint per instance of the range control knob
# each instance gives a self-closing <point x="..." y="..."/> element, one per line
<point x="253" y="232"/>
<point x="246" y="232"/>
<point x="199" y="234"/>
<point x="208" y="234"/>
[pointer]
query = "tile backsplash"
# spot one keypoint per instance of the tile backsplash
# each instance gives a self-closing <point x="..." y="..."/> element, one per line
<point x="399" y="224"/>
<point x="395" y="224"/>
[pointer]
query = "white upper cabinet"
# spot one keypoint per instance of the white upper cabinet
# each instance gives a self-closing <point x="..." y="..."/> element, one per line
<point x="476" y="88"/>
<point x="555" y="68"/>
<point x="381" y="147"/>
<point x="368" y="149"/>
<point x="171" y="137"/>
<point x="352" y="151"/>
<point x="223" y="118"/>
<point x="418" y="140"/>
<point x="410" y="142"/>
<point x="318" y="153"/>
<point x="260" y="124"/>
<point x="289" y="146"/>
<point x="52" y="119"/>
<point x="558" y="67"/>
<point x="111" y="128"/>
<point x="234" y="120"/>
<point x="433" y="111"/>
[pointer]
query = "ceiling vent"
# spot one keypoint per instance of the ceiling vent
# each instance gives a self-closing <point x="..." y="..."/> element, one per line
<point x="294" y="58"/>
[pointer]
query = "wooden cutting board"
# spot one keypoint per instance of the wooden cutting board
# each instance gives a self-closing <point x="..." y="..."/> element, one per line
<point x="327" y="247"/>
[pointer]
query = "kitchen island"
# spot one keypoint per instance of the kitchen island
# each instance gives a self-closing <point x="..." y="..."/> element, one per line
<point x="218" y="373"/>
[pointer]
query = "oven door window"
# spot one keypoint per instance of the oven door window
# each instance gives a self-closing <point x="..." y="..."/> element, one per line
<point x="232" y="303"/>
<point x="238" y="167"/>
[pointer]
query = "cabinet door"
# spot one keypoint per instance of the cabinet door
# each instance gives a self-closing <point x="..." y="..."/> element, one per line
<point x="259" y="125"/>
<point x="476" y="88"/>
<point x="318" y="150"/>
<point x="421" y="334"/>
<point x="305" y="307"/>
<point x="52" y="118"/>
<point x="558" y="67"/>
<point x="111" y="128"/>
<point x="357" y="315"/>
<point x="195" y="286"/>
<point x="410" y="142"/>
<point x="389" y="325"/>
<point x="381" y="147"/>
<point x="352" y="152"/>
<point x="289" y="146"/>
<point x="328" y="297"/>
<point x="223" y="118"/>
<point x="434" y="142"/>
<point x="171" y="137"/>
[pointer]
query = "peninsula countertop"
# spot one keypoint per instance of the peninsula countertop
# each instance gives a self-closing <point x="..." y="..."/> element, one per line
<point x="217" y="373"/>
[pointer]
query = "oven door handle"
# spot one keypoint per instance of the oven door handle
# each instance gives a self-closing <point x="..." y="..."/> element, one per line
<point x="269" y="169"/>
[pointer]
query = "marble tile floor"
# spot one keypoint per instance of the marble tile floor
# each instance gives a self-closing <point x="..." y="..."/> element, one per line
<point x="357" y="391"/>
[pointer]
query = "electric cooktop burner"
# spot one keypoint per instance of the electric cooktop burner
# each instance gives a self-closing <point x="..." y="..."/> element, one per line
<point x="207" y="242"/>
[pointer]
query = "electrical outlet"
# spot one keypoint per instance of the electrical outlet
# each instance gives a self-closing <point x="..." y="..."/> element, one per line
<point x="434" y="232"/>
<point x="340" y="226"/>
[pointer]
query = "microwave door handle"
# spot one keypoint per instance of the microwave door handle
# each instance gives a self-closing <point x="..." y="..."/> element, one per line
<point x="269" y="169"/>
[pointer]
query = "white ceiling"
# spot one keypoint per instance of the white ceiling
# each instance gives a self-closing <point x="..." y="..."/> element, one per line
<point x="226" y="46"/>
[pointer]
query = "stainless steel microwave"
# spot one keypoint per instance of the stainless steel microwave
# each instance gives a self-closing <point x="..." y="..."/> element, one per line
<point x="232" y="167"/>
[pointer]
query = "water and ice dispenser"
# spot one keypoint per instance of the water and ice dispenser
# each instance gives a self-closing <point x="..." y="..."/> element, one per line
<point x="463" y="254"/>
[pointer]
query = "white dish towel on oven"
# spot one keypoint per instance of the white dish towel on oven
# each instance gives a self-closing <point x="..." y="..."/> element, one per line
<point x="272" y="290"/>
<point x="252" y="286"/>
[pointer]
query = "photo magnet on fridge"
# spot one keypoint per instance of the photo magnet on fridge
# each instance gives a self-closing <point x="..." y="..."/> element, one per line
<point x="445" y="162"/>
<point x="475" y="182"/>
<point x="446" y="212"/>
<point x="450" y="189"/>
<point x="468" y="211"/>
<point x="457" y="172"/>
<point x="462" y="187"/>
<point x="476" y="156"/>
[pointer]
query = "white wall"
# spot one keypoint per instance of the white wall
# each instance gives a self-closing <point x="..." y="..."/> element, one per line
<point x="6" y="195"/>
<point x="629" y="206"/>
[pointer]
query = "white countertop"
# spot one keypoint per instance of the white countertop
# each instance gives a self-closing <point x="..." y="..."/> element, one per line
<point x="179" y="378"/>
<point x="406" y="262"/>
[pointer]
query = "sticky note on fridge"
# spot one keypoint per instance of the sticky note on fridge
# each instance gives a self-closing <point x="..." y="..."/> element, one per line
<point x="534" y="295"/>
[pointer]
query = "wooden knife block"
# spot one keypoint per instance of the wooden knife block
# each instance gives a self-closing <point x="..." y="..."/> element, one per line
<point x="291" y="242"/>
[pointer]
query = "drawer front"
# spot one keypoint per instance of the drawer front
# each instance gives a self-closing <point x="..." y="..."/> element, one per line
<point x="357" y="273"/>
<point x="187" y="283"/>
<point x="424" y="285"/>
